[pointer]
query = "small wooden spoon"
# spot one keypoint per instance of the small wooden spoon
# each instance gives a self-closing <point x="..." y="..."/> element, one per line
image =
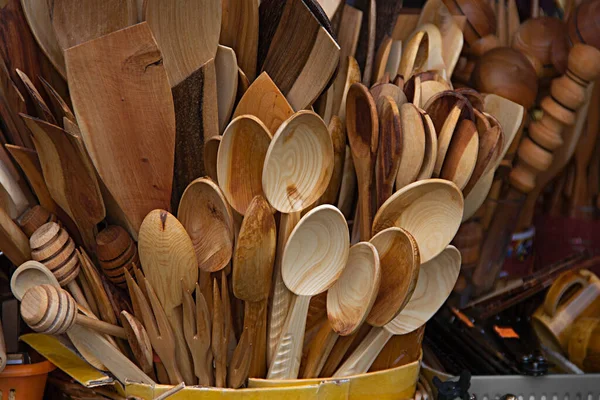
<point x="431" y="146"/>
<point x="389" y="154"/>
<point x="362" y="124"/>
<point x="313" y="259"/>
<point x="208" y="220"/>
<point x="436" y="280"/>
<point x="413" y="151"/>
<point x="29" y="274"/>
<point x="462" y="154"/>
<point x="430" y="210"/>
<point x="349" y="301"/>
<point x="240" y="160"/>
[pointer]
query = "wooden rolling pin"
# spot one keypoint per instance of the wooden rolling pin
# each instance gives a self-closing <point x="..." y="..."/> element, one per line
<point x="535" y="155"/>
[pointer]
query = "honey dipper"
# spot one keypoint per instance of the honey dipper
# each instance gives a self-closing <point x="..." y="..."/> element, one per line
<point x="535" y="155"/>
<point x="33" y="218"/>
<point x="116" y="253"/>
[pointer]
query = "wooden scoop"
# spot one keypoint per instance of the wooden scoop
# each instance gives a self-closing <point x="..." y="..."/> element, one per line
<point x="349" y="301"/>
<point x="30" y="274"/>
<point x="196" y="326"/>
<point x="362" y="124"/>
<point x="132" y="146"/>
<point x="116" y="252"/>
<point x="430" y="210"/>
<point x="413" y="152"/>
<point x="240" y="160"/>
<point x="207" y="218"/>
<point x="462" y="154"/>
<point x="314" y="258"/>
<point x="167" y="255"/>
<point x="436" y="280"/>
<point x="390" y="148"/>
<point x="337" y="131"/>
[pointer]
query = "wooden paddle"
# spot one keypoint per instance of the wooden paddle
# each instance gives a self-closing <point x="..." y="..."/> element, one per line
<point x="58" y="105"/>
<point x="132" y="146"/>
<point x="390" y="148"/>
<point x="239" y="30"/>
<point x="227" y="80"/>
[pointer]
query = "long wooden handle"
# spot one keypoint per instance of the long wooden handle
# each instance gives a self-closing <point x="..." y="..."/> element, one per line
<point x="365" y="354"/>
<point x="286" y="360"/>
<point x="101" y="326"/>
<point x="78" y="294"/>
<point x="319" y="351"/>
<point x="258" y="365"/>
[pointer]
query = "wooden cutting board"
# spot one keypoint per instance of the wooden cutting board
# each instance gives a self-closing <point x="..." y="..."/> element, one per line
<point x="239" y="30"/>
<point x="132" y="146"/>
<point x="302" y="56"/>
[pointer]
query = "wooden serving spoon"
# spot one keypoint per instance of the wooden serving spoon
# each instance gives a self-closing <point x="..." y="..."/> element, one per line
<point x="390" y="148"/>
<point x="349" y="301"/>
<point x="197" y="329"/>
<point x="314" y="257"/>
<point x="436" y="280"/>
<point x="227" y="81"/>
<point x="416" y="207"/>
<point x="413" y="151"/>
<point x="362" y="124"/>
<point x="414" y="55"/>
<point x="252" y="272"/>
<point x="167" y="255"/>
<point x="461" y="157"/>
<point x="29" y="274"/>
<point x="239" y="30"/>
<point x="208" y="220"/>
<point x="211" y="149"/>
<point x="240" y="160"/>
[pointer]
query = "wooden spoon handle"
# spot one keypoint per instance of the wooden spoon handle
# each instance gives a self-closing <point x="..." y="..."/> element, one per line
<point x="100" y="326"/>
<point x="286" y="360"/>
<point x="365" y="354"/>
<point x="320" y="349"/>
<point x="182" y="354"/>
<point x="78" y="294"/>
<point x="258" y="365"/>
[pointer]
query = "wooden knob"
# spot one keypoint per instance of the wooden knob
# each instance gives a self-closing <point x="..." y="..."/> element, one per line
<point x="116" y="253"/>
<point x="33" y="218"/>
<point x="48" y="309"/>
<point x="567" y="92"/>
<point x="584" y="62"/>
<point x="52" y="246"/>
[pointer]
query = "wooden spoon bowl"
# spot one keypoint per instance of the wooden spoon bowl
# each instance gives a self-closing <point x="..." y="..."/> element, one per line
<point x="29" y="274"/>
<point x="116" y="252"/>
<point x="52" y="246"/>
<point x="298" y="164"/>
<point x="33" y="218"/>
<point x="462" y="154"/>
<point x="425" y="77"/>
<point x="430" y="210"/>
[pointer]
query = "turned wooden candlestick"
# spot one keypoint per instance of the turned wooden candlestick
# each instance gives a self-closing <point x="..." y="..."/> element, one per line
<point x="116" y="253"/>
<point x="52" y="246"/>
<point x="33" y="218"/>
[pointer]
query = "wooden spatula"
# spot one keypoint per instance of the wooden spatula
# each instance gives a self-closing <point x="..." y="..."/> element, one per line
<point x="239" y="30"/>
<point x="132" y="146"/>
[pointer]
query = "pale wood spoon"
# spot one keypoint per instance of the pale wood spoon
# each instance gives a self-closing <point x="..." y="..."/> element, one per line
<point x="461" y="157"/>
<point x="211" y="149"/>
<point x="413" y="151"/>
<point x="227" y="80"/>
<point x="29" y="274"/>
<point x="362" y="124"/>
<point x="431" y="146"/>
<point x="414" y="55"/>
<point x="337" y="132"/>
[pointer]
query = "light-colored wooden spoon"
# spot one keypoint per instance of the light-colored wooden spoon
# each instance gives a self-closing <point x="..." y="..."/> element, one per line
<point x="211" y="149"/>
<point x="430" y="210"/>
<point x="314" y="258"/>
<point x="436" y="280"/>
<point x="239" y="30"/>
<point x="431" y="146"/>
<point x="12" y="198"/>
<point x="388" y="89"/>
<point x="240" y="160"/>
<point x="132" y="146"/>
<point x="168" y="256"/>
<point x="197" y="330"/>
<point x="348" y="186"/>
<point x="490" y="146"/>
<point x="413" y="145"/>
<point x="349" y="301"/>
<point x="29" y="274"/>
<point x="462" y="154"/>
<point x="389" y="154"/>
<point x="227" y="81"/>
<point x="337" y="132"/>
<point x="362" y="124"/>
<point x="298" y="164"/>
<point x="381" y="59"/>
<point x="414" y="55"/>
<point x="208" y="220"/>
<point x="435" y="60"/>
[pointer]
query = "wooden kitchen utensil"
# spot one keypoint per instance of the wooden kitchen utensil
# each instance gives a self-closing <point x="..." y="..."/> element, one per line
<point x="461" y="157"/>
<point x="436" y="280"/>
<point x="388" y="89"/>
<point x="116" y="252"/>
<point x="414" y="55"/>
<point x="14" y="242"/>
<point x="139" y="342"/>
<point x="227" y="80"/>
<point x="264" y="100"/>
<point x="59" y="107"/>
<point x="219" y="337"/>
<point x="42" y="109"/>
<point x="29" y="274"/>
<point x="196" y="327"/>
<point x="302" y="56"/>
<point x="415" y="206"/>
<point x="239" y="30"/>
<point x="168" y="258"/>
<point x="240" y="160"/>
<point x="70" y="178"/>
<point x="252" y="272"/>
<point x="13" y="199"/>
<point x="347" y="187"/>
<point x="298" y="164"/>
<point x="349" y="301"/>
<point x="390" y="148"/>
<point x="132" y="146"/>
<point x="362" y="125"/>
<point x="211" y="149"/>
<point x="337" y="131"/>
<point x="208" y="220"/>
<point x="314" y="258"/>
<point x="187" y="34"/>
<point x="431" y="146"/>
<point x="413" y="145"/>
<point x="33" y="218"/>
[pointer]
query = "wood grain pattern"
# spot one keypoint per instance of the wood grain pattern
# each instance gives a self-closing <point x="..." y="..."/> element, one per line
<point x="196" y="119"/>
<point x="348" y="186"/>
<point x="413" y="206"/>
<point x="431" y="147"/>
<point x="33" y="218"/>
<point x="12" y="103"/>
<point x="414" y="55"/>
<point x="70" y="178"/>
<point x="139" y="341"/>
<point x="239" y="30"/>
<point x="337" y="132"/>
<point x="461" y="157"/>
<point x="14" y="243"/>
<point x="58" y="105"/>
<point x="116" y="252"/>
<point x="219" y="338"/>
<point x="99" y="293"/>
<point x="298" y="164"/>
<point x="389" y="154"/>
<point x="210" y="152"/>
<point x="240" y="160"/>
<point x="42" y="109"/>
<point x="413" y="145"/>
<point x="490" y="146"/>
<point x="187" y="33"/>
<point x="132" y="146"/>
<point x="226" y="67"/>
<point x="302" y="56"/>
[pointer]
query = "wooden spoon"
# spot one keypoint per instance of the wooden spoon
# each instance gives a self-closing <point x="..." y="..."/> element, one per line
<point x="197" y="329"/>
<point x="313" y="260"/>
<point x="139" y="341"/>
<point x="436" y="280"/>
<point x="363" y="134"/>
<point x="435" y="60"/>
<point x="431" y="146"/>
<point x="347" y="187"/>
<point x="490" y="146"/>
<point x="430" y="210"/>
<point x="187" y="33"/>
<point x="227" y="81"/>
<point x="349" y="301"/>
<point x="462" y="154"/>
<point x="413" y="151"/>
<point x="252" y="271"/>
<point x="390" y="148"/>
<point x="414" y="55"/>
<point x="337" y="132"/>
<point x="211" y="149"/>
<point x="388" y="89"/>
<point x="30" y="274"/>
<point x="116" y="252"/>
<point x="42" y="109"/>
<point x="208" y="220"/>
<point x="239" y="30"/>
<point x="240" y="160"/>
<point x="132" y="146"/>
<point x="298" y="164"/>
<point x="167" y="255"/>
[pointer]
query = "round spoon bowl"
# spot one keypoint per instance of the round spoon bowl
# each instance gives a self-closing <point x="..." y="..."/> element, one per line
<point x="28" y="275"/>
<point x="436" y="280"/>
<point x="351" y="298"/>
<point x="298" y="164"/>
<point x="430" y="210"/>
<point x="316" y="252"/>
